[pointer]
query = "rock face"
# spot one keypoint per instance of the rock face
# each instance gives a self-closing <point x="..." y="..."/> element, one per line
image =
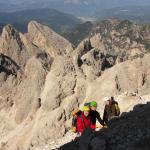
<point x="47" y="40"/>
<point x="43" y="78"/>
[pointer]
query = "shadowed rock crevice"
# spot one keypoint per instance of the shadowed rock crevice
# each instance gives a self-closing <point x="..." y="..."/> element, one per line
<point x="117" y="84"/>
<point x="45" y="59"/>
<point x="8" y="65"/>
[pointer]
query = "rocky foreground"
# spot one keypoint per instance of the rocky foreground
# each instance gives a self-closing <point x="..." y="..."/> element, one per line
<point x="43" y="77"/>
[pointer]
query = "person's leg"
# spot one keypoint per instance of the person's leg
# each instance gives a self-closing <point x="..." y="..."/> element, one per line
<point x="84" y="140"/>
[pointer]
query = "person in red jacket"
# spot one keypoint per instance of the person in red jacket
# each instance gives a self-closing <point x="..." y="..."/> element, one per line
<point x="84" y="121"/>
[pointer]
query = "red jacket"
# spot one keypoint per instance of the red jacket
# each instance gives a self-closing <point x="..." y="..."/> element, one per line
<point x="83" y="123"/>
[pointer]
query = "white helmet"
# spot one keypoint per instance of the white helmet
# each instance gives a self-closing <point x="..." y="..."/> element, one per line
<point x="106" y="99"/>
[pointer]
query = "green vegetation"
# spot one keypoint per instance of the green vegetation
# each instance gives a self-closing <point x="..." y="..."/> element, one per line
<point x="77" y="34"/>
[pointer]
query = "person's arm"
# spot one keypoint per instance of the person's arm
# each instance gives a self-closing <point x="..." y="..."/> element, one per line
<point x="99" y="119"/>
<point x="104" y="115"/>
<point x="80" y="125"/>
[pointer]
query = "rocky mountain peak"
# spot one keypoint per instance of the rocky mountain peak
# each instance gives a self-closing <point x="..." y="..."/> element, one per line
<point x="11" y="44"/>
<point x="46" y="39"/>
<point x="9" y="32"/>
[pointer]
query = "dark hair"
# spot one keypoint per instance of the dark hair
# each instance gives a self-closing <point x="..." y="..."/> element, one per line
<point x="112" y="98"/>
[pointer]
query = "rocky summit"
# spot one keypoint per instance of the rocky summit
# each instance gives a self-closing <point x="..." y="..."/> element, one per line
<point x="44" y="77"/>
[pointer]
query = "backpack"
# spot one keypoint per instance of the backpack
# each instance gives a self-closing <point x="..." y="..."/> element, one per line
<point x="75" y="114"/>
<point x="117" y="109"/>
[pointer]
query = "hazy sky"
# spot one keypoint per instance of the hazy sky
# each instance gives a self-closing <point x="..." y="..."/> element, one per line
<point x="61" y="4"/>
<point x="76" y="1"/>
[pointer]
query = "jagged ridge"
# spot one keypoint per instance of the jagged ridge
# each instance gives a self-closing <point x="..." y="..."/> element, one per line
<point x="48" y="67"/>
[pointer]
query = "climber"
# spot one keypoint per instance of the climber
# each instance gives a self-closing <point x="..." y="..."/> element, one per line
<point x="111" y="109"/>
<point x="77" y="113"/>
<point x="84" y="120"/>
<point x="95" y="115"/>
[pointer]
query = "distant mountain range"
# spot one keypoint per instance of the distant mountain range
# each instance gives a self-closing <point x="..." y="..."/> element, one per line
<point x="140" y="14"/>
<point x="88" y="29"/>
<point x="75" y="7"/>
<point x="68" y="25"/>
<point x="19" y="13"/>
<point x="57" y="20"/>
<point x="78" y="33"/>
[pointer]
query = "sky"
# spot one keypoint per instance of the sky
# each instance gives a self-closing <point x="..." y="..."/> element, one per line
<point x="142" y="2"/>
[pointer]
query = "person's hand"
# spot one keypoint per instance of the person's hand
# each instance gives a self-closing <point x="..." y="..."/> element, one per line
<point x="99" y="126"/>
<point x="74" y="129"/>
<point x="78" y="134"/>
<point x="105" y="126"/>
